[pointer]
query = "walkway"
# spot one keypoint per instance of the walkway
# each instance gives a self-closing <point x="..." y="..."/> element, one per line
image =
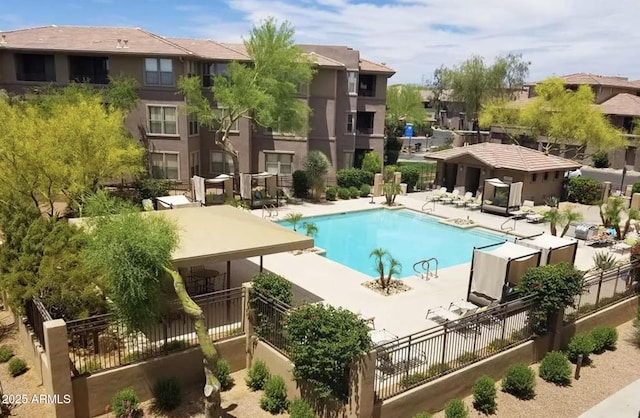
<point x="622" y="404"/>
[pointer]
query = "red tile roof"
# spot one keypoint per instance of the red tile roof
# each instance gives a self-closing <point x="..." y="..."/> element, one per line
<point x="512" y="157"/>
<point x="623" y="104"/>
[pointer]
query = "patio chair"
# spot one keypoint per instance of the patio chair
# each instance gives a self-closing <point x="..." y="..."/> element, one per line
<point x="623" y="246"/>
<point x="475" y="204"/>
<point x="468" y="197"/>
<point x="534" y="218"/>
<point x="439" y="194"/>
<point x="450" y="197"/>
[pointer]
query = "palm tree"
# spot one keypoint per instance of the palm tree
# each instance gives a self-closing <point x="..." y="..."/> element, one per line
<point x="570" y="217"/>
<point x="311" y="229"/>
<point x="394" y="268"/>
<point x="610" y="214"/>
<point x="554" y="217"/>
<point x="632" y="214"/>
<point x="293" y="219"/>
<point x="379" y="255"/>
<point x="391" y="189"/>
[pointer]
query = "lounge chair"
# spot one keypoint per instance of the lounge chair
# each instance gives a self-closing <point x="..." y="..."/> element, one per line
<point x="534" y="218"/>
<point x="475" y="204"/>
<point x="468" y="197"/>
<point x="439" y="194"/>
<point x="455" y="195"/>
<point x="623" y="246"/>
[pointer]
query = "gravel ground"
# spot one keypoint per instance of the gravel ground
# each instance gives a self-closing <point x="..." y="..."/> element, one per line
<point x="608" y="373"/>
<point x="25" y="384"/>
<point x="238" y="402"/>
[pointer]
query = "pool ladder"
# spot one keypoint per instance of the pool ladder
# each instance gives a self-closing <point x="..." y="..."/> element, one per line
<point x="425" y="268"/>
<point x="426" y="209"/>
<point x="271" y="211"/>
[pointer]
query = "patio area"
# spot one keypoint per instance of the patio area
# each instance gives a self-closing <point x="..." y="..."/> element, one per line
<point x="404" y="313"/>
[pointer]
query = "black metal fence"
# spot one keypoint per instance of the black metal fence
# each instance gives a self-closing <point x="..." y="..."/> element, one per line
<point x="268" y="316"/>
<point x="101" y="342"/>
<point x="37" y="315"/>
<point x="413" y="360"/>
<point x="603" y="289"/>
<point x="196" y="285"/>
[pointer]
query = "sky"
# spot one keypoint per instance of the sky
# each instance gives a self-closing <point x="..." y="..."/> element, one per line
<point x="412" y="36"/>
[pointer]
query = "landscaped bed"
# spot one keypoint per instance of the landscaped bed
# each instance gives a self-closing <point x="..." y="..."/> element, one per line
<point x="609" y="372"/>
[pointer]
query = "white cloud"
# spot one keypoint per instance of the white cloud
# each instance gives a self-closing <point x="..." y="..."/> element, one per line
<point x="557" y="36"/>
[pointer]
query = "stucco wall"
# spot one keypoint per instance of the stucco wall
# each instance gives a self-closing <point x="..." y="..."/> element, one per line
<point x="93" y="392"/>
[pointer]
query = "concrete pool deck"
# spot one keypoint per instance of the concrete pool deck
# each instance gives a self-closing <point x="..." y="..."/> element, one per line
<point x="400" y="314"/>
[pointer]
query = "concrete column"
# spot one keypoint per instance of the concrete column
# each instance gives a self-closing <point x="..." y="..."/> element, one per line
<point x="606" y="190"/>
<point x="556" y="325"/>
<point x="362" y="394"/>
<point x="628" y="190"/>
<point x="635" y="201"/>
<point x="58" y="379"/>
<point x="397" y="177"/>
<point x="377" y="185"/>
<point x="248" y="326"/>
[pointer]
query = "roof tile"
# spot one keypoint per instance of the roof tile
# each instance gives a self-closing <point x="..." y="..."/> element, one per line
<point x="624" y="104"/>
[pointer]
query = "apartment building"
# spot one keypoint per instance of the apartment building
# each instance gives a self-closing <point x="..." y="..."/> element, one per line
<point x="347" y="96"/>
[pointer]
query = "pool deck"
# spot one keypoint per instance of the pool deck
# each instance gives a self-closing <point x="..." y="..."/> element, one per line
<point x="400" y="314"/>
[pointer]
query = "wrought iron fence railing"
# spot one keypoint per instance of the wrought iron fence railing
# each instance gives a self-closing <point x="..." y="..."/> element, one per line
<point x="268" y="316"/>
<point x="37" y="315"/>
<point x="413" y="360"/>
<point x="102" y="342"/>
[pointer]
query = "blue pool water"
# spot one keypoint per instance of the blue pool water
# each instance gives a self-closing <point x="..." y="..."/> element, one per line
<point x="409" y="236"/>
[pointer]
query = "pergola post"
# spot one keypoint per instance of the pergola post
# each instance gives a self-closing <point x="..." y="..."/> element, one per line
<point x="260" y="264"/>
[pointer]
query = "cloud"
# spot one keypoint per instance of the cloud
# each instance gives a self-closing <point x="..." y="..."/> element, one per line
<point x="417" y="36"/>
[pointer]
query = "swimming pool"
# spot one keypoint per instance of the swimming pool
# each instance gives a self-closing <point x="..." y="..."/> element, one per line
<point x="409" y="236"/>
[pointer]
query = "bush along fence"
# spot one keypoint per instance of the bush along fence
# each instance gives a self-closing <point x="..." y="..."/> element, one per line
<point x="101" y="342"/>
<point x="413" y="360"/>
<point x="267" y="316"/>
<point x="603" y="289"/>
<point x="37" y="315"/>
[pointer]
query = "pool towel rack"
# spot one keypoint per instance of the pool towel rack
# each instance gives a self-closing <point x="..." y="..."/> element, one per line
<point x="423" y="268"/>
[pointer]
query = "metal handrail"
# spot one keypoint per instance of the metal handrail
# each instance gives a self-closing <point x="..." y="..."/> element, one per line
<point x="265" y="207"/>
<point x="429" y="209"/>
<point x="514" y="219"/>
<point x="273" y="208"/>
<point x="426" y="270"/>
<point x="428" y="263"/>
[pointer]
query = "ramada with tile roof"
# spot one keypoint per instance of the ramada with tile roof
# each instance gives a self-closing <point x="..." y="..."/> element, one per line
<point x="467" y="167"/>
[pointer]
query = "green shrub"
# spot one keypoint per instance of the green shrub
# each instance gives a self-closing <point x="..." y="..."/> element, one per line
<point x="6" y="353"/>
<point x="635" y="188"/>
<point x="604" y="338"/>
<point x="372" y="162"/>
<point x="455" y="408"/>
<point x="134" y="356"/>
<point x="484" y="395"/>
<point x="223" y="374"/>
<point x="600" y="159"/>
<point x="466" y="357"/>
<point x="300" y="184"/>
<point x="17" y="366"/>
<point x="174" y="345"/>
<point x="323" y="342"/>
<point x="584" y="190"/>
<point x="274" y="399"/>
<point x="125" y="403"/>
<point x="344" y="193"/>
<point x="151" y="188"/>
<point x="353" y="177"/>
<point x="273" y="285"/>
<point x="498" y="344"/>
<point x="555" y="368"/>
<point x="365" y="189"/>
<point x="520" y="381"/>
<point x="580" y="344"/>
<point x="354" y="192"/>
<point x="423" y="415"/>
<point x="299" y="408"/>
<point x="90" y="365"/>
<point x="413" y="379"/>
<point x="331" y="193"/>
<point x="410" y="175"/>
<point x="438" y="369"/>
<point x="257" y="375"/>
<point x="167" y="393"/>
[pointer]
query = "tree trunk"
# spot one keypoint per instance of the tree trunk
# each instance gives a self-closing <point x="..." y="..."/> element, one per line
<point x="565" y="229"/>
<point x="212" y="401"/>
<point x="552" y="227"/>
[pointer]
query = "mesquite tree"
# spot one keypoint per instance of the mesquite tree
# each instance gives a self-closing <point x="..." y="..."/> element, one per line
<point x="133" y="252"/>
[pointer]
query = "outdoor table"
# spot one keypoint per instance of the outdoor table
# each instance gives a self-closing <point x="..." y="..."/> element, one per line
<point x="381" y="336"/>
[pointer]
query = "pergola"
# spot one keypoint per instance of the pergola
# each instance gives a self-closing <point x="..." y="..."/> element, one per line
<point x="225" y="233"/>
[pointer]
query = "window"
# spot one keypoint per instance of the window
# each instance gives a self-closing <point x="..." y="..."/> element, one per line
<point x="348" y="159"/>
<point x="222" y="113"/>
<point x="367" y="85"/>
<point x="165" y="165"/>
<point x="364" y="123"/>
<point x="158" y="71"/>
<point x="220" y="163"/>
<point x="352" y="82"/>
<point x="350" y="123"/>
<point x="534" y="177"/>
<point x="557" y="175"/>
<point x="162" y="120"/>
<point x="89" y="69"/>
<point x="194" y="164"/>
<point x="546" y="176"/>
<point x="35" y="67"/>
<point x="277" y="163"/>
<point x="194" y="126"/>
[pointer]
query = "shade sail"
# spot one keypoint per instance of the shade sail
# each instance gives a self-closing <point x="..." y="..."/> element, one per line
<point x="554" y="249"/>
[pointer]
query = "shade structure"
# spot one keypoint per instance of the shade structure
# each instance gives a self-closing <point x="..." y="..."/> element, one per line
<point x="497" y="269"/>
<point x="172" y="202"/>
<point x="500" y="197"/>
<point x="554" y="249"/>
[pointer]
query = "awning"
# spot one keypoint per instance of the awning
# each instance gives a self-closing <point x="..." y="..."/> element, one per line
<point x="219" y="179"/>
<point x="222" y="233"/>
<point x="509" y="250"/>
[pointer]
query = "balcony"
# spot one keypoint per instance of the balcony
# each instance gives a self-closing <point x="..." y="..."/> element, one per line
<point x="94" y="70"/>
<point x="364" y="123"/>
<point x="367" y="85"/>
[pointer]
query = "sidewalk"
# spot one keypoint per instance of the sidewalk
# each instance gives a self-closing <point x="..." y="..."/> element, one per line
<point x="622" y="404"/>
